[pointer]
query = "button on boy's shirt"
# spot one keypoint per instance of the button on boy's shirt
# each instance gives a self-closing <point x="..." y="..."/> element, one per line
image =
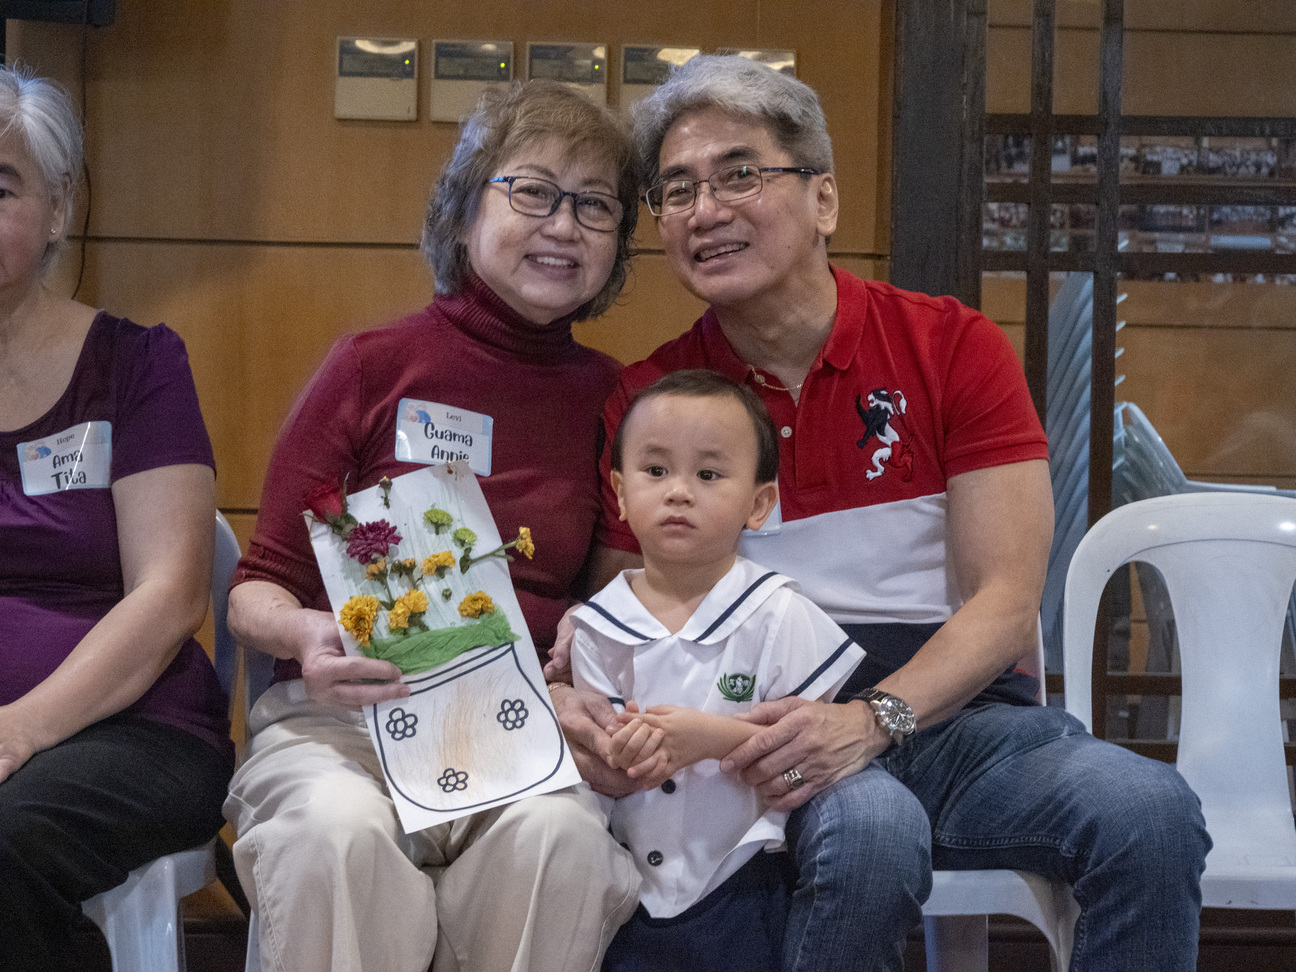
<point x="753" y="638"/>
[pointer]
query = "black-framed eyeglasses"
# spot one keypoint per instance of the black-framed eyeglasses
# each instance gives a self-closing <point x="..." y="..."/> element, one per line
<point x="671" y="196"/>
<point x="599" y="211"/>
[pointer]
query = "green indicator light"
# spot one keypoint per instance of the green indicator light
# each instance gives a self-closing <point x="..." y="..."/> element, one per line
<point x="503" y="64"/>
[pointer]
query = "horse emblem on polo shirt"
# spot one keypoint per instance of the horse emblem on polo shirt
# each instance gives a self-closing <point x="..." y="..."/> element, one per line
<point x="883" y="421"/>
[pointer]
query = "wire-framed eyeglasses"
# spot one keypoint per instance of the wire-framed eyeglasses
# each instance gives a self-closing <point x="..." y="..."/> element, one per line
<point x="671" y="196"/>
<point x="599" y="211"/>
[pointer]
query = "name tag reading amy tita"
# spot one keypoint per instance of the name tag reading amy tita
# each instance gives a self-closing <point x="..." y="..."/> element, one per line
<point x="76" y="458"/>
<point x="430" y="433"/>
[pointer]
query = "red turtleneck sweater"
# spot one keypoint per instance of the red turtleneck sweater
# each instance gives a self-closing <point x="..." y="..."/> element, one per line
<point x="544" y="391"/>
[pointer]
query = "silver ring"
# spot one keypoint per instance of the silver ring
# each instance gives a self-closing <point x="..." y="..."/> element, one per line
<point x="793" y="779"/>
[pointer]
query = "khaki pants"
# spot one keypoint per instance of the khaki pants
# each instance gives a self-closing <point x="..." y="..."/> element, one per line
<point x="535" y="885"/>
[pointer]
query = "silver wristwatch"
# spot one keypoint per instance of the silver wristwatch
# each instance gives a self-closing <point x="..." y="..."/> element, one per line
<point x="892" y="713"/>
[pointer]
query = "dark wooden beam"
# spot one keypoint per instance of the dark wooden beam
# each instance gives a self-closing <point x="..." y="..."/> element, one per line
<point x="937" y="147"/>
<point x="1103" y="384"/>
<point x="1040" y="202"/>
<point x="971" y="187"/>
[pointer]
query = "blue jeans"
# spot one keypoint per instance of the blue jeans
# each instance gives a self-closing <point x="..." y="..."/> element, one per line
<point x="1000" y="786"/>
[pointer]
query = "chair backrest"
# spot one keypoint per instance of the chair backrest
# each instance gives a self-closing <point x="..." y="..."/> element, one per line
<point x="1229" y="563"/>
<point x="224" y="561"/>
<point x="257" y="667"/>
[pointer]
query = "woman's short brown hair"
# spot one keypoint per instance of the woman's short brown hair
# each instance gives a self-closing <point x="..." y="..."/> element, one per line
<point x="507" y="121"/>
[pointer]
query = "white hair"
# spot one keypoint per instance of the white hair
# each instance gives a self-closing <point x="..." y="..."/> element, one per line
<point x="742" y="87"/>
<point x="42" y="113"/>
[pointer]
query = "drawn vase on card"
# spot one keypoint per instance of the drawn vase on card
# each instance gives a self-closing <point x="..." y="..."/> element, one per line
<point x="473" y="732"/>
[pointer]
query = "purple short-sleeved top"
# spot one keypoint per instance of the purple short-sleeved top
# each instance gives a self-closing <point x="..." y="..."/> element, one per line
<point x="60" y="567"/>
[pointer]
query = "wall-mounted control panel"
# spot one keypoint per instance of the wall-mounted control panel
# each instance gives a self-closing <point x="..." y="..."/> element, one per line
<point x="582" y="66"/>
<point x="644" y="67"/>
<point x="377" y="78"/>
<point x="462" y="71"/>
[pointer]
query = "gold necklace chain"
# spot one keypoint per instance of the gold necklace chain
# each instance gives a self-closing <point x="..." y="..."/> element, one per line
<point x="761" y="380"/>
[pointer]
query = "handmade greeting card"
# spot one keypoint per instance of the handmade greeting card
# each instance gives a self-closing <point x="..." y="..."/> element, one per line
<point x="417" y="574"/>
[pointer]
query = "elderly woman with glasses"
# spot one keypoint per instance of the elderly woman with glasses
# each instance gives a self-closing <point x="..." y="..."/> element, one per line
<point x="528" y="230"/>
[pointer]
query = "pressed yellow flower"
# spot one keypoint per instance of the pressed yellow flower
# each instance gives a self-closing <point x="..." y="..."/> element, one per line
<point x="376" y="570"/>
<point x="398" y="616"/>
<point x="476" y="604"/>
<point x="524" y="544"/>
<point x="411" y="602"/>
<point x="415" y="600"/>
<point x="357" y="616"/>
<point x="443" y="559"/>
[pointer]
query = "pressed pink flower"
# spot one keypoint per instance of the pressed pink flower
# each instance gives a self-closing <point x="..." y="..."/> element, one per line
<point x="369" y="540"/>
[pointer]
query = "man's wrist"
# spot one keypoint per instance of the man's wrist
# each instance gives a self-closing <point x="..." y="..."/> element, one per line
<point x="892" y="714"/>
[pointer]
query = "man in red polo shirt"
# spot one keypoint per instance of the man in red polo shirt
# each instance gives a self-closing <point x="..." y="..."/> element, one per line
<point x="916" y="510"/>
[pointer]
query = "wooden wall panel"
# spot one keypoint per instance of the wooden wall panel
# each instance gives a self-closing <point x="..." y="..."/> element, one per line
<point x="1209" y="364"/>
<point x="1166" y="73"/>
<point x="1223" y="400"/>
<point x="1210" y="16"/>
<point x="215" y="120"/>
<point x="257" y="322"/>
<point x="1157" y="304"/>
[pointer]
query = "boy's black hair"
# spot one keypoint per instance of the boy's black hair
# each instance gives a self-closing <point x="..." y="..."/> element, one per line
<point x="701" y="383"/>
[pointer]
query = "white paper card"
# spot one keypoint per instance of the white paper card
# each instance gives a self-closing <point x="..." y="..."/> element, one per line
<point x="431" y="433"/>
<point x="478" y="730"/>
<point x="79" y="457"/>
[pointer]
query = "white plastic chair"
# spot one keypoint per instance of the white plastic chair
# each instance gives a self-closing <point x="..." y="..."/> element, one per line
<point x="1229" y="562"/>
<point x="956" y="917"/>
<point x="140" y="918"/>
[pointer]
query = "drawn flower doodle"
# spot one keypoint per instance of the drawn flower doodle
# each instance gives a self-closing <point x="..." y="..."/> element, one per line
<point x="512" y="714"/>
<point x="401" y="724"/>
<point x="453" y="779"/>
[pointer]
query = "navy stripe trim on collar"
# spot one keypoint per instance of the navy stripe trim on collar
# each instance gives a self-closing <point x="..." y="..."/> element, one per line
<point x="616" y="701"/>
<point x="823" y="668"/>
<point x="734" y="606"/>
<point x="627" y="630"/>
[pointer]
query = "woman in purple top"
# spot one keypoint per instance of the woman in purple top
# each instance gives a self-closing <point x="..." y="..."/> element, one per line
<point x="114" y="745"/>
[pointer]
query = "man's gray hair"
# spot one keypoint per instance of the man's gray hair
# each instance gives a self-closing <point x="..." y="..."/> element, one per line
<point x="40" y="112"/>
<point x="742" y="87"/>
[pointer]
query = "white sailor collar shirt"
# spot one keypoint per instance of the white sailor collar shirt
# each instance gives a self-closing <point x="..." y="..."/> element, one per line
<point x="753" y="638"/>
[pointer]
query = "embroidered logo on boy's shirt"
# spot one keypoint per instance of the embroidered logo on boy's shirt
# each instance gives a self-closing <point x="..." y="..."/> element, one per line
<point x="737" y="687"/>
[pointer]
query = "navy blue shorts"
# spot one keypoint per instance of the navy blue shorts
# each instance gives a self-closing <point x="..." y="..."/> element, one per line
<point x="738" y="927"/>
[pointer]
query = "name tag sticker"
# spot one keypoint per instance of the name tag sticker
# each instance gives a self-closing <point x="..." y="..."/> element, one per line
<point x="773" y="523"/>
<point x="76" y="458"/>
<point x="430" y="433"/>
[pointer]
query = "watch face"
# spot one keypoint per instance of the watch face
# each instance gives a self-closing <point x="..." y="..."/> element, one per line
<point x="896" y="715"/>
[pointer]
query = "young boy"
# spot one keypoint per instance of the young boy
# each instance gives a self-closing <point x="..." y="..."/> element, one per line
<point x="697" y="637"/>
